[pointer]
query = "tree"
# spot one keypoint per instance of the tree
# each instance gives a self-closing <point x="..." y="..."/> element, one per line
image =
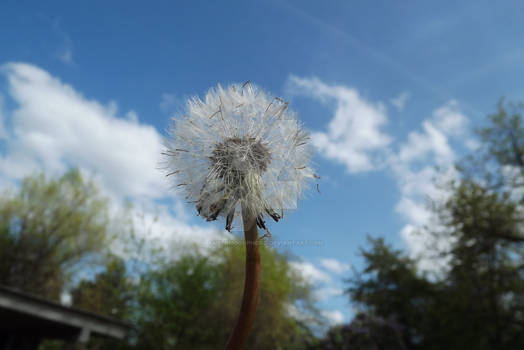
<point x="485" y="284"/>
<point x="484" y="217"/>
<point x="50" y="230"/>
<point x="47" y="229"/>
<point x="193" y="302"/>
<point x="280" y="289"/>
<point x="110" y="293"/>
<point x="478" y="302"/>
<point x="365" y="332"/>
<point x="171" y="302"/>
<point x="390" y="287"/>
<point x="500" y="160"/>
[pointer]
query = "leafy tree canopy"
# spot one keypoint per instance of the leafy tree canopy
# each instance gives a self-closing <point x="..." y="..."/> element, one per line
<point x="193" y="302"/>
<point x="478" y="302"/>
<point x="47" y="229"/>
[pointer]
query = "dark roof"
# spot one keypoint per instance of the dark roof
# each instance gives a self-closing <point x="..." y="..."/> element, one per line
<point x="21" y="312"/>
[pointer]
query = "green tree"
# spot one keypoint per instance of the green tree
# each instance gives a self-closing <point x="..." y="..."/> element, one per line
<point x="365" y="332"/>
<point x="47" y="229"/>
<point x="499" y="163"/>
<point x="192" y="303"/>
<point x="478" y="302"/>
<point x="484" y="217"/>
<point x="50" y="230"/>
<point x="280" y="289"/>
<point x="109" y="294"/>
<point x="173" y="305"/>
<point x="484" y="285"/>
<point x="390" y="287"/>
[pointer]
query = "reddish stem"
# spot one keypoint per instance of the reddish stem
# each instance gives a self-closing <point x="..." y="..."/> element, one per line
<point x="246" y="316"/>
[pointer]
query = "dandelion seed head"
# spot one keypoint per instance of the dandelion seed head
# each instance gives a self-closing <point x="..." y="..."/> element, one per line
<point x="238" y="149"/>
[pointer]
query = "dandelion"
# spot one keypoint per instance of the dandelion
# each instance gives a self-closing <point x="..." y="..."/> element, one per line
<point x="239" y="149"/>
<point x="240" y="153"/>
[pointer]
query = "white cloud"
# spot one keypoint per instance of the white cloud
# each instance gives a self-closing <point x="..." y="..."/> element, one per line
<point x="450" y="119"/>
<point x="447" y="121"/>
<point x="310" y="273"/>
<point x="53" y="127"/>
<point x="333" y="317"/>
<point x="173" y="229"/>
<point x="335" y="266"/>
<point x="354" y="136"/>
<point x="400" y="101"/>
<point x="303" y="315"/>
<point x="432" y="140"/>
<point x="416" y="175"/>
<point x="413" y="211"/>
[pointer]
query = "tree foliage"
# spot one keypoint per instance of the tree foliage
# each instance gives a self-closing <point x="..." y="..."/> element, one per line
<point x="365" y="332"/>
<point x="504" y="138"/>
<point x="478" y="301"/>
<point x="51" y="228"/>
<point x="390" y="287"/>
<point x="193" y="302"/>
<point x="499" y="161"/>
<point x="109" y="294"/>
<point x="48" y="228"/>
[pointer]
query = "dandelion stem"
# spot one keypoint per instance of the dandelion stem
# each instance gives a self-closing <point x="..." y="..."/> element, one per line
<point x="246" y="316"/>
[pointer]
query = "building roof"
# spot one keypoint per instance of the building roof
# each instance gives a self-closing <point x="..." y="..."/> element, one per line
<point x="24" y="313"/>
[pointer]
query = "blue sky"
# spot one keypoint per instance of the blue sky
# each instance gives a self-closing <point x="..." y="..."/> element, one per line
<point x="388" y="91"/>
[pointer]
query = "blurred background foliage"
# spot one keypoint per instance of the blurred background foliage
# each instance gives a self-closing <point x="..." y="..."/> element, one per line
<point x="477" y="300"/>
<point x="48" y="229"/>
<point x="56" y="237"/>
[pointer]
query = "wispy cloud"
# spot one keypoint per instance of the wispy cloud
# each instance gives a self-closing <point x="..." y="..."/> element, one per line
<point x="170" y="102"/>
<point x="65" y="51"/>
<point x="66" y="55"/>
<point x="400" y="101"/>
<point x="361" y="47"/>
